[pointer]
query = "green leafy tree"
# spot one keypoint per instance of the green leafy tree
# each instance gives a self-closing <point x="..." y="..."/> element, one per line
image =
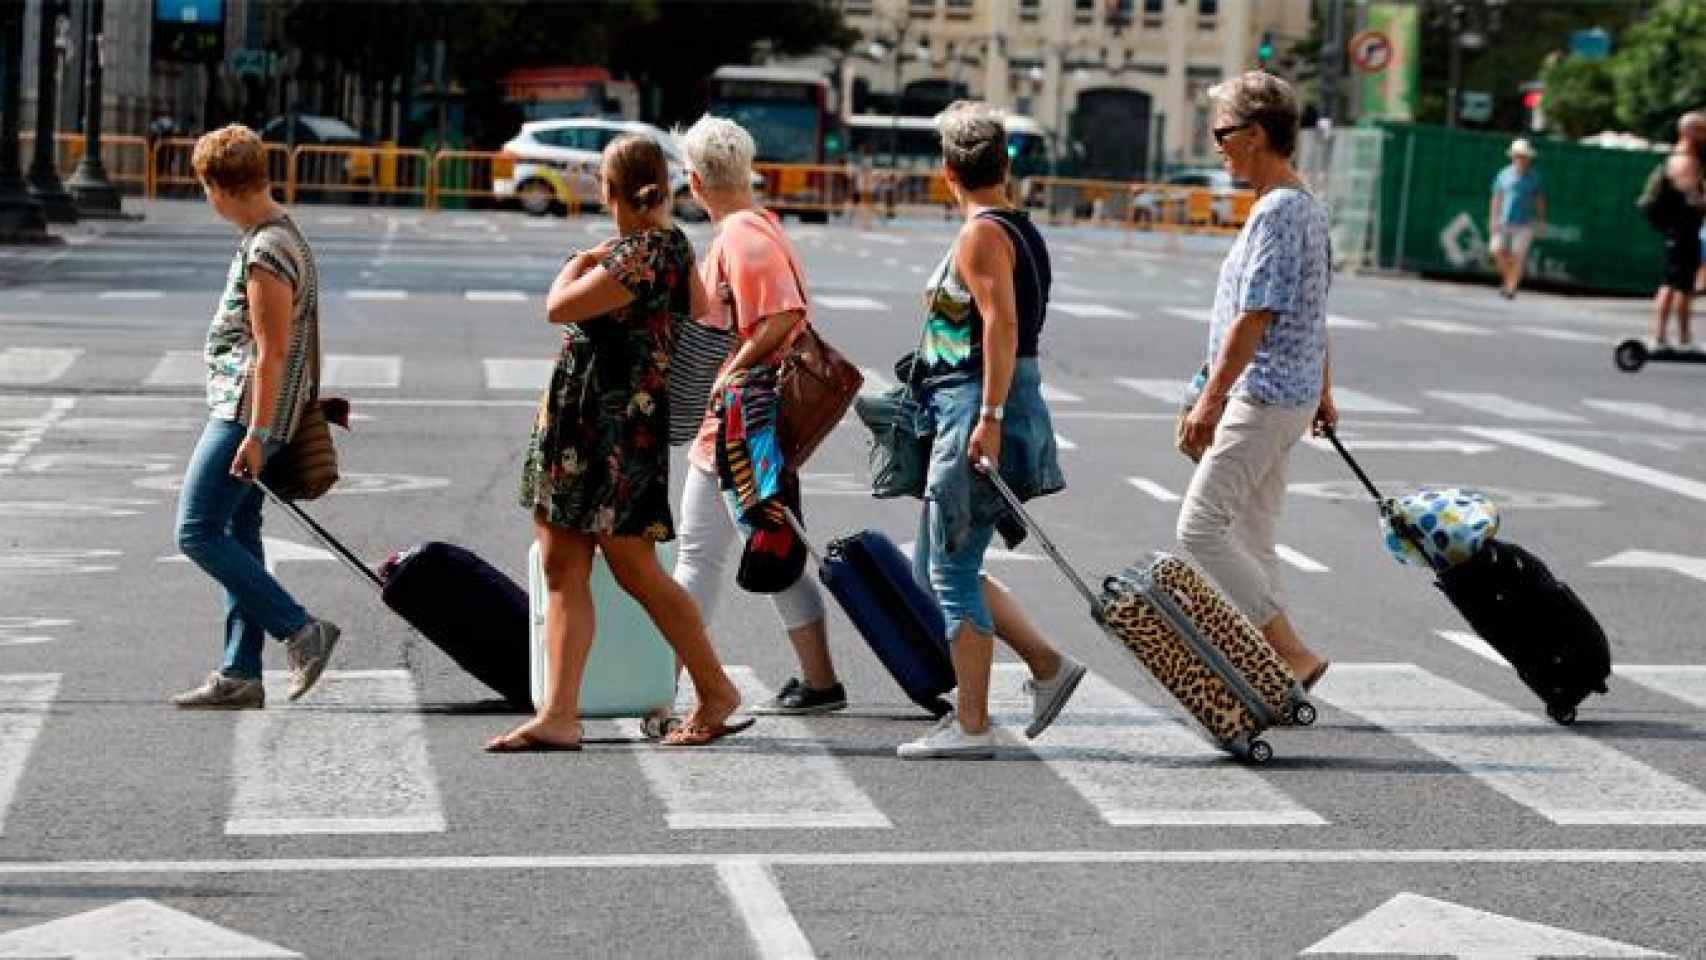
<point x="1660" y="70"/>
<point x="1581" y="97"/>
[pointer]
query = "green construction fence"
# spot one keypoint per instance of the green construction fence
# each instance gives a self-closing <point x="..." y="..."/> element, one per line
<point x="1436" y="185"/>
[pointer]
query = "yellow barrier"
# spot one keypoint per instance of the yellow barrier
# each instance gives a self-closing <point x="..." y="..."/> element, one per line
<point x="171" y="175"/>
<point x="476" y="173"/>
<point x="1137" y="205"/>
<point x="815" y="190"/>
<point x="317" y="171"/>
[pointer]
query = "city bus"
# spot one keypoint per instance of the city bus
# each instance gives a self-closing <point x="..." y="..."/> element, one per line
<point x="917" y="148"/>
<point x="792" y="119"/>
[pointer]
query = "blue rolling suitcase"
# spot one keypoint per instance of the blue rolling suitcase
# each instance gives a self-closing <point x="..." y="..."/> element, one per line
<point x="900" y="620"/>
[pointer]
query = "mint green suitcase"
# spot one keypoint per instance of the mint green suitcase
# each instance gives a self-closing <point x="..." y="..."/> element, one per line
<point x="631" y="672"/>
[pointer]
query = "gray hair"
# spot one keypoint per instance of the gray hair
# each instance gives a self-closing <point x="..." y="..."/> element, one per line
<point x="1262" y="99"/>
<point x="720" y="151"/>
<point x="974" y="144"/>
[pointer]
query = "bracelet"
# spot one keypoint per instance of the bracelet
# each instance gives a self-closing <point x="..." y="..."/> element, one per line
<point x="988" y="412"/>
<point x="262" y="434"/>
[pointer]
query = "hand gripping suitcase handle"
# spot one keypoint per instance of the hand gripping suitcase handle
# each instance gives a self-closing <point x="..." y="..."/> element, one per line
<point x="990" y="473"/>
<point x="320" y="533"/>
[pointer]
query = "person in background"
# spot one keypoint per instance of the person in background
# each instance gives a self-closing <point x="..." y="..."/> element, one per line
<point x="752" y="272"/>
<point x="1267" y="374"/>
<point x="982" y="385"/>
<point x="597" y="469"/>
<point x="1677" y="214"/>
<point x="1516" y="216"/>
<point x="259" y="382"/>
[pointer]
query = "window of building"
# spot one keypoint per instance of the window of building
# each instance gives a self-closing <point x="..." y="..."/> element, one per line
<point x="960" y="9"/>
<point x="1028" y="9"/>
<point x="1084" y="11"/>
<point x="1207" y="12"/>
<point x="857" y="8"/>
<point x="923" y="8"/>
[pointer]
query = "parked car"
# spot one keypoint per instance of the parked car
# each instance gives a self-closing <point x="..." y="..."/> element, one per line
<point x="553" y="165"/>
<point x="1169" y="203"/>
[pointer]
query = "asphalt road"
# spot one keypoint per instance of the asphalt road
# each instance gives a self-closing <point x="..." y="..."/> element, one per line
<point x="365" y="821"/>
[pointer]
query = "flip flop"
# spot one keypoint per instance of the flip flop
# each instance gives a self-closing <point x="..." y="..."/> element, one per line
<point x="1315" y="676"/>
<point x="693" y="735"/>
<point x="528" y="743"/>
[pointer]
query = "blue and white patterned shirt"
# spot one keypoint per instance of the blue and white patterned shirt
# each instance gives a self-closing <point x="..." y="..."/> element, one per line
<point x="1282" y="263"/>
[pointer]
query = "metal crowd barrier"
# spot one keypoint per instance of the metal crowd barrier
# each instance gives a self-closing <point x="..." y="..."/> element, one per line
<point x="382" y="174"/>
<point x="472" y="174"/>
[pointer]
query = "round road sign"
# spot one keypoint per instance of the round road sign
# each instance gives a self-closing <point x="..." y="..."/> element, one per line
<point x="1371" y="51"/>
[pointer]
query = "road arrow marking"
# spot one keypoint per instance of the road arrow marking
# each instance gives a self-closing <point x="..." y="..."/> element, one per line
<point x="140" y="929"/>
<point x="277" y="551"/>
<point x="1652" y="560"/>
<point x="1411" y="925"/>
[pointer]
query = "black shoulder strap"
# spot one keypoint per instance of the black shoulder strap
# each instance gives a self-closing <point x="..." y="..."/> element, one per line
<point x="1022" y="242"/>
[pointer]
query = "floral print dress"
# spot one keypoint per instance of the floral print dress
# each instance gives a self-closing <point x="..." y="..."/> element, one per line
<point x="598" y="460"/>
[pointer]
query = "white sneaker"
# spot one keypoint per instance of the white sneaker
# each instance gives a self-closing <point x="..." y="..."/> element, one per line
<point x="947" y="741"/>
<point x="1048" y="698"/>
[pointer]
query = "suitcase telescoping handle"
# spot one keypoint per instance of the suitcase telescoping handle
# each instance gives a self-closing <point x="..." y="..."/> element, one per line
<point x="989" y="471"/>
<point x="1350" y="461"/>
<point x="320" y="533"/>
<point x="800" y="531"/>
<point x="1399" y="523"/>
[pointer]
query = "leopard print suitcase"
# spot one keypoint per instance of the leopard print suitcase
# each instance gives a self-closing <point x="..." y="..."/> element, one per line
<point x="1207" y="654"/>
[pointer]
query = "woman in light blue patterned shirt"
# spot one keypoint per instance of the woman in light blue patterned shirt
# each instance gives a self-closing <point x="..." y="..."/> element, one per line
<point x="1266" y="379"/>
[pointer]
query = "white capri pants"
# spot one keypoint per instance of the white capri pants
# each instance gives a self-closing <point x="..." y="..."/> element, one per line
<point x="705" y="533"/>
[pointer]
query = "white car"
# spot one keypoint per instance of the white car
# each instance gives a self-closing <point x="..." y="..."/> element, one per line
<point x="555" y="165"/>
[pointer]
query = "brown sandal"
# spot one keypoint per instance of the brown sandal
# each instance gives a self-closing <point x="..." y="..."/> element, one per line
<point x="696" y="735"/>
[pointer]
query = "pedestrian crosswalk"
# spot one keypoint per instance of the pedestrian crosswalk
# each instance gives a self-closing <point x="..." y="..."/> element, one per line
<point x="354" y="759"/>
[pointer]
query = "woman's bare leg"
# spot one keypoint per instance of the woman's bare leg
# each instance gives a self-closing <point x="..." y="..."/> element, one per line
<point x="1018" y="632"/>
<point x="570" y="623"/>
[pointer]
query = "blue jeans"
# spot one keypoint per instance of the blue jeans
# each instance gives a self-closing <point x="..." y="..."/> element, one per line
<point x="219" y="528"/>
<point x="954" y="576"/>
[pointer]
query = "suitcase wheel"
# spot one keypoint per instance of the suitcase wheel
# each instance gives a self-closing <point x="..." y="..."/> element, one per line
<point x="1259" y="752"/>
<point x="1561" y="715"/>
<point x="1303" y="714"/>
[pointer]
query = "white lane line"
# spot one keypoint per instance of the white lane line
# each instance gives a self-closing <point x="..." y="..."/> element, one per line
<point x="132" y="295"/>
<point x="778" y="776"/>
<point x="1340" y="322"/>
<point x="1062" y="443"/>
<point x="875" y="383"/>
<point x="31" y="432"/>
<point x="34" y="366"/>
<point x="864" y="304"/>
<point x="1154" y="489"/>
<point x="1465" y="447"/>
<point x="495" y="296"/>
<point x="377" y="294"/>
<point x="1561" y="775"/>
<point x="1652" y="413"/>
<point x="887" y="238"/>
<point x="1685" y="682"/>
<point x="178" y="368"/>
<point x="517" y="373"/>
<point x="1193" y="314"/>
<point x="1094" y="311"/>
<point x="1473" y="643"/>
<point x="1594" y="460"/>
<point x="351" y="760"/>
<point x="771" y="925"/>
<point x="1054" y="394"/>
<point x="1170" y="392"/>
<point x="357" y="370"/>
<point x="1654" y="560"/>
<point x="1138" y="766"/>
<point x="1358" y="402"/>
<point x="337" y="219"/>
<point x="1450" y="327"/>
<point x="992" y="555"/>
<point x="1499" y="405"/>
<point x="1300" y="560"/>
<point x="25" y="699"/>
<point x="1567" y="336"/>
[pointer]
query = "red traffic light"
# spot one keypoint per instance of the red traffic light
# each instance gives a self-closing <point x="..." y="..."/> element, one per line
<point x="1532" y="95"/>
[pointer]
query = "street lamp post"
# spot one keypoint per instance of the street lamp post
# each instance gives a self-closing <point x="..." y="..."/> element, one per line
<point x="95" y="194"/>
<point x="21" y="219"/>
<point x="44" y="183"/>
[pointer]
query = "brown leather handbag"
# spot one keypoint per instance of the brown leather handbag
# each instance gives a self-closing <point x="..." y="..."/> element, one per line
<point x="307" y="466"/>
<point x="815" y="385"/>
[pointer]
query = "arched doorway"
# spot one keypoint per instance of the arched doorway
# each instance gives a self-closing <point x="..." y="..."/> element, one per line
<point x="1112" y="126"/>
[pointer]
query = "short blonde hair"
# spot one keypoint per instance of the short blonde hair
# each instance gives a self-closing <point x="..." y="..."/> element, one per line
<point x="231" y="158"/>
<point x="720" y="151"/>
<point x="974" y="143"/>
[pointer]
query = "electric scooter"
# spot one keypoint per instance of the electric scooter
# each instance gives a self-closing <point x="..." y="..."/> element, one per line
<point x="1631" y="355"/>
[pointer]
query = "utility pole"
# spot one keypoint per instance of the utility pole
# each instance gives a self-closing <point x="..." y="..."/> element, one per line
<point x="1332" y="58"/>
<point x="44" y="182"/>
<point x="21" y="219"/>
<point x="95" y="195"/>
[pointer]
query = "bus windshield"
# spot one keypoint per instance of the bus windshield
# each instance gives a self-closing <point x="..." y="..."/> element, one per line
<point x="784" y="132"/>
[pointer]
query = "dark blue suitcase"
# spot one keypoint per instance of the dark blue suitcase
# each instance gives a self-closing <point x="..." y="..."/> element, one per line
<point x="899" y="619"/>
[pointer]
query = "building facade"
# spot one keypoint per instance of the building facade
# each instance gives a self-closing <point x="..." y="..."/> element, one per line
<point x="1121" y="84"/>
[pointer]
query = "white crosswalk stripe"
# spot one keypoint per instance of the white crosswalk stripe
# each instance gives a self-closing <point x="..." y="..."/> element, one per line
<point x="25" y="699"/>
<point x="1566" y="336"/>
<point x="1063" y="443"/>
<point x="517" y="373"/>
<point x="863" y="304"/>
<point x="875" y="383"/>
<point x="1341" y="322"/>
<point x="178" y="368"/>
<point x="1093" y="311"/>
<point x="1355" y="401"/>
<point x="1154" y="489"/>
<point x="1450" y="327"/>
<point x="1170" y="392"/>
<point x="1192" y="314"/>
<point x="133" y="295"/>
<point x="34" y="366"/>
<point x="1680" y="682"/>
<point x="1559" y="774"/>
<point x="1138" y="766"/>
<point x="495" y="296"/>
<point x="778" y="776"/>
<point x="351" y="760"/>
<point x="1652" y="413"/>
<point x="384" y="295"/>
<point x="351" y="370"/>
<point x="1301" y="561"/>
<point x="1054" y="394"/>
<point x="1505" y="407"/>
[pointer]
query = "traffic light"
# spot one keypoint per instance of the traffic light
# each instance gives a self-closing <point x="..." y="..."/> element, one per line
<point x="1265" y="50"/>
<point x="1532" y="95"/>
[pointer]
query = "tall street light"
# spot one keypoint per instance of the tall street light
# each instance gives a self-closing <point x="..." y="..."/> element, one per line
<point x="21" y="219"/>
<point x="44" y="182"/>
<point x="96" y="196"/>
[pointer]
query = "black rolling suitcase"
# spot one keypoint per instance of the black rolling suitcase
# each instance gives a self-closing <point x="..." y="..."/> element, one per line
<point x="463" y="605"/>
<point x="1533" y="619"/>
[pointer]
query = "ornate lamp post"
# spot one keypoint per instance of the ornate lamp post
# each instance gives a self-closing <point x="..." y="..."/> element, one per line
<point x="21" y="219"/>
<point x="44" y="182"/>
<point x="96" y="196"/>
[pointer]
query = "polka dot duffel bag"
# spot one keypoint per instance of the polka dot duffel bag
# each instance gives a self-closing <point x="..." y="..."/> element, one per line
<point x="1450" y="525"/>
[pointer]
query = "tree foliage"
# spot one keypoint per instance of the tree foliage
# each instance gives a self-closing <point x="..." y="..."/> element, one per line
<point x="1581" y="97"/>
<point x="1660" y="70"/>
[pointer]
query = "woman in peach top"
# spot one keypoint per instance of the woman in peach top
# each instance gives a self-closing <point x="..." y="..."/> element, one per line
<point x="753" y="275"/>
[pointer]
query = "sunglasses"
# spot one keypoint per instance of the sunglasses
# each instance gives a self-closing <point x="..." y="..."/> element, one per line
<point x="1221" y="133"/>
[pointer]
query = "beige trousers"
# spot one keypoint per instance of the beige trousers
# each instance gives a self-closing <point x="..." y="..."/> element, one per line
<point x="1228" y="518"/>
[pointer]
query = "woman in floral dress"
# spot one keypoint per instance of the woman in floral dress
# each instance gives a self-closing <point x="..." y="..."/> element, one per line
<point x="597" y="470"/>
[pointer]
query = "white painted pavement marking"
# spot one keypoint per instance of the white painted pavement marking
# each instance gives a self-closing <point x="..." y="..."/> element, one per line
<point x="1502" y="406"/>
<point x="875" y="383"/>
<point x="1138" y="766"/>
<point x="1054" y="394"/>
<point x="34" y="366"/>
<point x="1094" y="311"/>
<point x="353" y="760"/>
<point x="517" y="373"/>
<point x="1340" y="322"/>
<point x="1654" y="560"/>
<point x="1193" y="314"/>
<point x="992" y="554"/>
<point x="1170" y="392"/>
<point x="1566" y="336"/>
<point x="771" y="925"/>
<point x="276" y="550"/>
<point x="1685" y="682"/>
<point x="1356" y="401"/>
<point x="865" y="304"/>
<point x="1062" y="443"/>
<point x="54" y="561"/>
<point x="1411" y="925"/>
<point x="357" y="370"/>
<point x="377" y="294"/>
<point x="337" y="219"/>
<point x="1473" y="643"/>
<point x="1594" y="460"/>
<point x="495" y="296"/>
<point x="1299" y="560"/>
<point x="24" y="702"/>
<point x="31" y="433"/>
<point x="1652" y="413"/>
<point x="29" y="631"/>
<point x="887" y="238"/>
<point x="1450" y="327"/>
<point x="178" y="368"/>
<point x="1465" y="447"/>
<point x="137" y="929"/>
<point x="1154" y="489"/>
<point x="1562" y="775"/>
<point x="778" y="776"/>
<point x="133" y="295"/>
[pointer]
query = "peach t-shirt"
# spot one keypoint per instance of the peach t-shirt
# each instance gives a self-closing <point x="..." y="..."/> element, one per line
<point x="753" y="255"/>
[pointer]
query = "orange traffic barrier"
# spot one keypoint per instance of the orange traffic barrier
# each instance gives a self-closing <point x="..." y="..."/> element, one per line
<point x="345" y="173"/>
<point x="477" y="173"/>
